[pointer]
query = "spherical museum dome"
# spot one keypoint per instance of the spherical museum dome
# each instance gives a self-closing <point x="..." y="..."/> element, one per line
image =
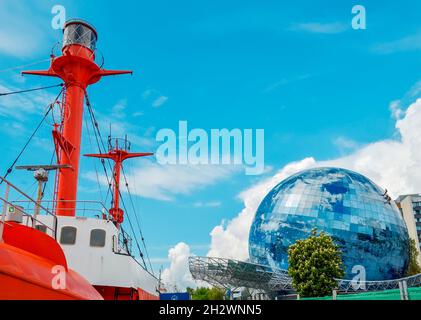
<point x="346" y="205"/>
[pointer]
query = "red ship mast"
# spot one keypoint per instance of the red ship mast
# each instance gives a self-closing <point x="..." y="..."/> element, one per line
<point x="118" y="152"/>
<point x="77" y="68"/>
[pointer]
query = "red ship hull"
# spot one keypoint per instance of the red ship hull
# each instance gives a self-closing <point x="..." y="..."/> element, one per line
<point x="27" y="260"/>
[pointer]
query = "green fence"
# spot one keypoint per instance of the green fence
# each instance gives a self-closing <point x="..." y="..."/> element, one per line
<point x="413" y="294"/>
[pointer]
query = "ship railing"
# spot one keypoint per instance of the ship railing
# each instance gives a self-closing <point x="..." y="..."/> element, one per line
<point x="95" y="54"/>
<point x="123" y="243"/>
<point x="119" y="144"/>
<point x="82" y="208"/>
<point x="30" y="219"/>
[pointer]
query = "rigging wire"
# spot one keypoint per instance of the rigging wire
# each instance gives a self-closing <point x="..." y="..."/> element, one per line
<point x="95" y="166"/>
<point x="51" y="162"/>
<point x="24" y="65"/>
<point x="2" y="94"/>
<point x="134" y="234"/>
<point x="98" y="138"/>
<point x="32" y="191"/>
<point x="50" y="107"/>
<point x="136" y="199"/>
<point x="137" y="220"/>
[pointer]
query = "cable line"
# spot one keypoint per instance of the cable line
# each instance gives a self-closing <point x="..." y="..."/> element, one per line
<point x="134" y="234"/>
<point x="99" y="140"/>
<point x="30" y="90"/>
<point x="137" y="220"/>
<point x="51" y="162"/>
<point x="50" y="107"/>
<point x="95" y="165"/>
<point x="24" y="65"/>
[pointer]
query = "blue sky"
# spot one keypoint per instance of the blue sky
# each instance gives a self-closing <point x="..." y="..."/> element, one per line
<point x="294" y="68"/>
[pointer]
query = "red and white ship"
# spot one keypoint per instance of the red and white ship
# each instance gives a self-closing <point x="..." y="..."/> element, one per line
<point x="48" y="250"/>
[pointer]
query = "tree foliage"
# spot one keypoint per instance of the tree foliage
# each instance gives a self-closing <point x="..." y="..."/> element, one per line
<point x="314" y="264"/>
<point x="413" y="266"/>
<point x="203" y="293"/>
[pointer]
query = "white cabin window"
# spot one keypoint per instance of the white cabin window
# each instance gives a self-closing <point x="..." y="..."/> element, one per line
<point x="97" y="238"/>
<point x="68" y="235"/>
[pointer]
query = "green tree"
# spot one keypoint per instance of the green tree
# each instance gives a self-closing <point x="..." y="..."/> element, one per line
<point x="216" y="294"/>
<point x="203" y="293"/>
<point x="314" y="264"/>
<point x="190" y="291"/>
<point x="413" y="266"/>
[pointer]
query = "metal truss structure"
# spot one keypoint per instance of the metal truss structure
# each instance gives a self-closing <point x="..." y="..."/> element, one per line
<point x="361" y="286"/>
<point x="228" y="274"/>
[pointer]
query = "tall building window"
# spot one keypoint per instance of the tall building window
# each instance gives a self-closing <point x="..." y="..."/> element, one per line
<point x="416" y="204"/>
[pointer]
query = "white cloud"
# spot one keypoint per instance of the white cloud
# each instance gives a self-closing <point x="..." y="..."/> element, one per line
<point x="322" y="28"/>
<point x="17" y="43"/>
<point x="147" y="93"/>
<point x="21" y="35"/>
<point x="21" y="105"/>
<point x="397" y="107"/>
<point x="159" y="101"/>
<point x="345" y="144"/>
<point x="409" y="43"/>
<point x="159" y="260"/>
<point x="210" y="204"/>
<point x="167" y="247"/>
<point x="137" y="114"/>
<point x="177" y="275"/>
<point x="118" y="110"/>
<point x="396" y="110"/>
<point x="392" y="164"/>
<point x="230" y="239"/>
<point x="122" y="127"/>
<point x="286" y="81"/>
<point x="164" y="182"/>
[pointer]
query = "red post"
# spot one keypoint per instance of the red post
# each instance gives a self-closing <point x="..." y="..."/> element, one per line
<point x="118" y="155"/>
<point x="77" y="68"/>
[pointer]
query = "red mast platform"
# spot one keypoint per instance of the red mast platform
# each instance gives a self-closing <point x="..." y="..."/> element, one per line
<point x="118" y="151"/>
<point x="78" y="69"/>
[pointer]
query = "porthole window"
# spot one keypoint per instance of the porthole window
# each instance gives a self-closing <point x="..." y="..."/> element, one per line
<point x="97" y="238"/>
<point x="68" y="235"/>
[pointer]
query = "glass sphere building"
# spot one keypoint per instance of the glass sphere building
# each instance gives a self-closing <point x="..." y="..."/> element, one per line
<point x="346" y="205"/>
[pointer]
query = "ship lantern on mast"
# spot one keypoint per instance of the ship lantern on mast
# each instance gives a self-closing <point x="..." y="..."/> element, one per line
<point x="118" y="151"/>
<point x="78" y="69"/>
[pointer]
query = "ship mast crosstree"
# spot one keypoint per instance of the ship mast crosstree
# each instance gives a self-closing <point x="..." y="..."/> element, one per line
<point x="78" y="70"/>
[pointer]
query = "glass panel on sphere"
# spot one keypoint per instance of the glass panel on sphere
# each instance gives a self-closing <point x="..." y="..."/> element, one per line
<point x="341" y="203"/>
